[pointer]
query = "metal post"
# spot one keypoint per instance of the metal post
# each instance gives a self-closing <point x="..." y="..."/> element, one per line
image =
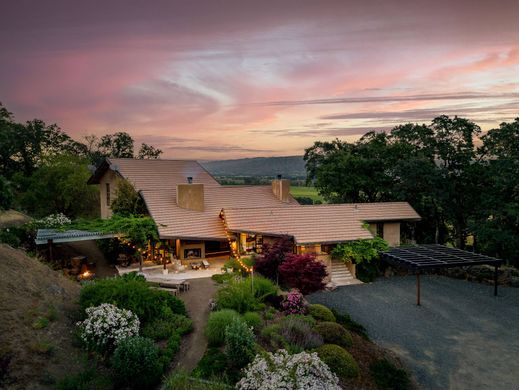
<point x="51" y="257"/>
<point x="418" y="288"/>
<point x="496" y="268"/>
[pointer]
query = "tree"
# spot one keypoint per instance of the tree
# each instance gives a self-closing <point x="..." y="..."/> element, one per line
<point x="149" y="152"/>
<point x="59" y="186"/>
<point x="127" y="201"/>
<point x="6" y="194"/>
<point x="117" y="145"/>
<point x="272" y="255"/>
<point x="303" y="272"/>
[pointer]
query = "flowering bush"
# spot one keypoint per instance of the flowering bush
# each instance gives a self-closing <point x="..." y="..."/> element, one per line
<point x="294" y="303"/>
<point x="106" y="326"/>
<point x="53" y="221"/>
<point x="283" y="371"/>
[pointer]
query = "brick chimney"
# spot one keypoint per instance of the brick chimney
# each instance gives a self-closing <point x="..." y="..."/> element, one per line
<point x="190" y="196"/>
<point x="281" y="189"/>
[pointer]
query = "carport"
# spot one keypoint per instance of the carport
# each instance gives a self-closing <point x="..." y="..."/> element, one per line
<point x="421" y="258"/>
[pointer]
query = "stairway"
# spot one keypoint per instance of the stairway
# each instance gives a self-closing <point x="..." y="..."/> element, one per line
<point x="341" y="275"/>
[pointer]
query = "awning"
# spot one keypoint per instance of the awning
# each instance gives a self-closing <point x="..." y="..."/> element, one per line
<point x="43" y="236"/>
<point x="429" y="257"/>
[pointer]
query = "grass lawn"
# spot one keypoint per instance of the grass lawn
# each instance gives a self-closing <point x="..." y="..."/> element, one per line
<point x="309" y="192"/>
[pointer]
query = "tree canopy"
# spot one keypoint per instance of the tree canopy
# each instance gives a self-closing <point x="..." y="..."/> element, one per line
<point x="460" y="189"/>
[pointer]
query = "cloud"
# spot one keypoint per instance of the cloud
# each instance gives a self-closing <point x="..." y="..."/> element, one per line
<point x="323" y="132"/>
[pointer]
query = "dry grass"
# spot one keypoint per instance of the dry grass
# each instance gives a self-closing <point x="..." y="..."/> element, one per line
<point x="37" y="306"/>
<point x="12" y="218"/>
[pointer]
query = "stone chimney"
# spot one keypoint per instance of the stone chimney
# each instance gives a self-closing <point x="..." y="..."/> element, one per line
<point x="190" y="196"/>
<point x="281" y="189"/>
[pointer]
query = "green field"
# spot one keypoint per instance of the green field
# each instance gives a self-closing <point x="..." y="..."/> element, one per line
<point x="308" y="192"/>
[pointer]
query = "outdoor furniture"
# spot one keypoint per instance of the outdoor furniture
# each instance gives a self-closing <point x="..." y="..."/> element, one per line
<point x="185" y="285"/>
<point x="196" y="265"/>
<point x="205" y="263"/>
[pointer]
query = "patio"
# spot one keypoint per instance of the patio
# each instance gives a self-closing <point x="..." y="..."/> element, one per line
<point x="153" y="271"/>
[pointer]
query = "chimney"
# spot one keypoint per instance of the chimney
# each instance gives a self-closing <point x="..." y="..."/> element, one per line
<point x="190" y="196"/>
<point x="281" y="189"/>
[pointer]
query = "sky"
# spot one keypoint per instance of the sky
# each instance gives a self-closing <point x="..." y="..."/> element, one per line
<point x="230" y="79"/>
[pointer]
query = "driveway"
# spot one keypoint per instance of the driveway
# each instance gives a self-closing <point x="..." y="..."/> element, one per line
<point x="462" y="337"/>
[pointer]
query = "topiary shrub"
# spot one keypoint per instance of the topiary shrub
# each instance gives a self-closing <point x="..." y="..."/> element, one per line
<point x="389" y="377"/>
<point x="339" y="360"/>
<point x="216" y="324"/>
<point x="253" y="320"/>
<point x="136" y="363"/>
<point x="282" y="370"/>
<point x="333" y="333"/>
<point x="321" y="312"/>
<point x="239" y="343"/>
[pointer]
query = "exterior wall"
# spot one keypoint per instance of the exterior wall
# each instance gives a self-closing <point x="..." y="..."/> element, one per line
<point x="191" y="196"/>
<point x="110" y="177"/>
<point x="302" y="249"/>
<point x="372" y="227"/>
<point x="392" y="233"/>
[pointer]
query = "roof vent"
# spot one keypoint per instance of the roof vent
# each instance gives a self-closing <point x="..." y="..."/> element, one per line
<point x="190" y="180"/>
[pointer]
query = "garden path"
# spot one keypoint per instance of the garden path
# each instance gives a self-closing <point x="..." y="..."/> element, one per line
<point x="197" y="304"/>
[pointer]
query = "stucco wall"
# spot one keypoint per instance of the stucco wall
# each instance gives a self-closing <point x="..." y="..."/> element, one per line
<point x="392" y="233"/>
<point x="110" y="177"/>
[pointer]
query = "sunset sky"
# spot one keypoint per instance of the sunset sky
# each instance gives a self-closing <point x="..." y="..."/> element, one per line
<point x="230" y="79"/>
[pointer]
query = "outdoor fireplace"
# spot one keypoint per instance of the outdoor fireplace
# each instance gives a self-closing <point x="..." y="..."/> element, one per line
<point x="193" y="253"/>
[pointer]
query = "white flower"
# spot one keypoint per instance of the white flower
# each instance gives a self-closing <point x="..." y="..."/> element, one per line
<point x="54" y="221"/>
<point x="106" y="325"/>
<point x="288" y="372"/>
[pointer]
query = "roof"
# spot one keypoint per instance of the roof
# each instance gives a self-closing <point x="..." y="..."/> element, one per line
<point x="176" y="222"/>
<point x="155" y="174"/>
<point x="317" y="223"/>
<point x="44" y="235"/>
<point x="435" y="256"/>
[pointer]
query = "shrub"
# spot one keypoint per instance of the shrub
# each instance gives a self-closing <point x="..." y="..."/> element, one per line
<point x="272" y="256"/>
<point x="136" y="363"/>
<point x="294" y="303"/>
<point x="131" y="293"/>
<point x="182" y="381"/>
<point x="346" y="321"/>
<point x="297" y="331"/>
<point x="321" y="312"/>
<point x="245" y="295"/>
<point x="253" y="320"/>
<point x="90" y="378"/>
<point x="388" y="377"/>
<point x="161" y="329"/>
<point x="213" y="364"/>
<point x="216" y="324"/>
<point x="281" y="370"/>
<point x="239" y="343"/>
<point x="333" y="333"/>
<point x="339" y="360"/>
<point x="222" y="278"/>
<point x="172" y="347"/>
<point x="106" y="326"/>
<point x="303" y="272"/>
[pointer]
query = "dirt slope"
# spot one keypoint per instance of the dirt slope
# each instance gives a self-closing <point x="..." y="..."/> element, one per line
<point x="37" y="307"/>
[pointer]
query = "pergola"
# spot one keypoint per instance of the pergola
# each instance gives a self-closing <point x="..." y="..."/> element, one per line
<point x="421" y="258"/>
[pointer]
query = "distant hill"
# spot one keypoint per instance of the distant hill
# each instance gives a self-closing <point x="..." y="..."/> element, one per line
<point x="290" y="166"/>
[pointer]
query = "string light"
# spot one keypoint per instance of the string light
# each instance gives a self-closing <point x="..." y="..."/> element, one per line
<point x="234" y="251"/>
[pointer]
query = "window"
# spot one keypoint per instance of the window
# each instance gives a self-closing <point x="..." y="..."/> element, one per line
<point x="380" y="230"/>
<point x="108" y="194"/>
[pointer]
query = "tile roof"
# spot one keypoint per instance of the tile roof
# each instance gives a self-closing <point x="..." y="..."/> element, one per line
<point x="317" y="223"/>
<point x="176" y="222"/>
<point x="156" y="174"/>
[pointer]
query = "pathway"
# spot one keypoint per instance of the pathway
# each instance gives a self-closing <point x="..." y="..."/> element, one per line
<point x="197" y="303"/>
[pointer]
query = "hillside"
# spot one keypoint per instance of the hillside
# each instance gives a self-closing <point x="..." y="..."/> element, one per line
<point x="290" y="166"/>
<point x="36" y="306"/>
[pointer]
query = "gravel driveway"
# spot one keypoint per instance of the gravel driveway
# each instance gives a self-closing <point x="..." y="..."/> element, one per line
<point x="462" y="337"/>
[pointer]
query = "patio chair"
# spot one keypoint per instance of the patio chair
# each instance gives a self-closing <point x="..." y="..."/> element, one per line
<point x="206" y="264"/>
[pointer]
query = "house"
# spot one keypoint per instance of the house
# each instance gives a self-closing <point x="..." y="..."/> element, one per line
<point x="197" y="218"/>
